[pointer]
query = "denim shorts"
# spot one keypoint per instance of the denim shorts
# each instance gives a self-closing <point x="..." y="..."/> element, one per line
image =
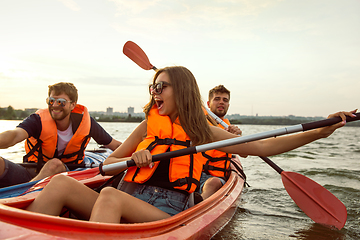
<point x="14" y="174"/>
<point x="205" y="177"/>
<point x="169" y="201"/>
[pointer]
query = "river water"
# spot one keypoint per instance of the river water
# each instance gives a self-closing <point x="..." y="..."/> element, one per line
<point x="266" y="210"/>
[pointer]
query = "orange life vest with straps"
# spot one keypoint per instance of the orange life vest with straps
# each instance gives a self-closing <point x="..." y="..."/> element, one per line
<point x="218" y="163"/>
<point x="44" y="148"/>
<point x="163" y="135"/>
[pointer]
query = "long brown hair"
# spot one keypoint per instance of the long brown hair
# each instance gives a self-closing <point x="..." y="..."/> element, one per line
<point x="188" y="102"/>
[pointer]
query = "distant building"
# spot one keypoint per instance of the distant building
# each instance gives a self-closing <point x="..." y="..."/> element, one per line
<point x="131" y="110"/>
<point x="109" y="111"/>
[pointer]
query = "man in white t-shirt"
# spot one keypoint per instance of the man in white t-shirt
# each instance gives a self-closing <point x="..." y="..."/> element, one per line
<point x="54" y="136"/>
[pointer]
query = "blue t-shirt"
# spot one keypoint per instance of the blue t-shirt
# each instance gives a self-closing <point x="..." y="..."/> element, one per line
<point x="32" y="125"/>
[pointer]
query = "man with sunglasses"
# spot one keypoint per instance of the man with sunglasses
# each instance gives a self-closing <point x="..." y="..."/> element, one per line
<point x="53" y="136"/>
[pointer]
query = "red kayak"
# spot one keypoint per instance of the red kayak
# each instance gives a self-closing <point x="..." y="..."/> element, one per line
<point x="201" y="221"/>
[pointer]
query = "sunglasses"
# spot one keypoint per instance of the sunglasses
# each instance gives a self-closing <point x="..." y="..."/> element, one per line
<point x="157" y="88"/>
<point x="60" y="101"/>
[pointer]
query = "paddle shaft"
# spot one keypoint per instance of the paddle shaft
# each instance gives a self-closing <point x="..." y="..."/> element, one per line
<point x="225" y="125"/>
<point x="274" y="133"/>
<point x="217" y="118"/>
<point x="233" y="141"/>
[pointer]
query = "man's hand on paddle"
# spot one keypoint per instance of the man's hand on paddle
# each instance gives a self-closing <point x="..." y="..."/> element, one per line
<point x="234" y="129"/>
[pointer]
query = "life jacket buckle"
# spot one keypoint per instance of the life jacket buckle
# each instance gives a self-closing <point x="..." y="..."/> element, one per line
<point x="182" y="181"/>
<point x="169" y="141"/>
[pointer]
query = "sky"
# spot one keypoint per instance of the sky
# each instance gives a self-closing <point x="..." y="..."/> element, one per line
<point x="277" y="57"/>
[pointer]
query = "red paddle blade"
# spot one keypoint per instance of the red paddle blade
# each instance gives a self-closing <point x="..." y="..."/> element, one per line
<point x="314" y="200"/>
<point x="135" y="53"/>
<point x="78" y="175"/>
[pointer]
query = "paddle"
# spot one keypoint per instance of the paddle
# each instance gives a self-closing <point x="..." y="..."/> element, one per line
<point x="135" y="53"/>
<point x="307" y="196"/>
<point x="313" y="199"/>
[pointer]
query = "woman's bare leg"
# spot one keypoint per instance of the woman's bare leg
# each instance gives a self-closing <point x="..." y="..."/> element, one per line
<point x="63" y="191"/>
<point x="113" y="205"/>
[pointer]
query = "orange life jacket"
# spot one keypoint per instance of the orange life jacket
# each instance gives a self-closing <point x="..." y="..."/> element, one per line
<point x="163" y="135"/>
<point x="44" y="148"/>
<point x="218" y="163"/>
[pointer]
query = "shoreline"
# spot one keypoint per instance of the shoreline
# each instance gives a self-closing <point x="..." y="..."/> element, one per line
<point x="243" y="121"/>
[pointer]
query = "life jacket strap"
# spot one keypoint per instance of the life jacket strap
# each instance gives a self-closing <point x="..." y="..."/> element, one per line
<point x="33" y="149"/>
<point x="173" y="141"/>
<point x="207" y="167"/>
<point x="183" y="181"/>
<point x="79" y="153"/>
<point x="167" y="141"/>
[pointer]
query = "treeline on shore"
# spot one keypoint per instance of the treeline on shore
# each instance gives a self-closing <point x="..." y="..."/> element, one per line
<point x="10" y="113"/>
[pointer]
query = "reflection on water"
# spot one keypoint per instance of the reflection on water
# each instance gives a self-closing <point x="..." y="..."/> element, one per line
<point x="266" y="210"/>
<point x="318" y="232"/>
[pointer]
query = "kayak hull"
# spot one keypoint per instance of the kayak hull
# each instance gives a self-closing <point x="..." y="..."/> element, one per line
<point x="201" y="221"/>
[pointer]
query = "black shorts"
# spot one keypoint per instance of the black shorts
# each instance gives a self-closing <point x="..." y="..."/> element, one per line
<point x="14" y="174"/>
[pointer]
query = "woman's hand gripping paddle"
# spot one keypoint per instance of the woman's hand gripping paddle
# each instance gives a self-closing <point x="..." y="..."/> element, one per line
<point x="315" y="201"/>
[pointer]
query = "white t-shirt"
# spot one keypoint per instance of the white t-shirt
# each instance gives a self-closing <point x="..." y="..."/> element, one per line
<point x="63" y="139"/>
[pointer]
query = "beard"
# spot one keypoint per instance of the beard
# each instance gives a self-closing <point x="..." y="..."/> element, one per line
<point x="58" y="114"/>
<point x="220" y="114"/>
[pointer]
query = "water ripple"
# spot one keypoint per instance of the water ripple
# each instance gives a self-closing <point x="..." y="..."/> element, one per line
<point x="334" y="173"/>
